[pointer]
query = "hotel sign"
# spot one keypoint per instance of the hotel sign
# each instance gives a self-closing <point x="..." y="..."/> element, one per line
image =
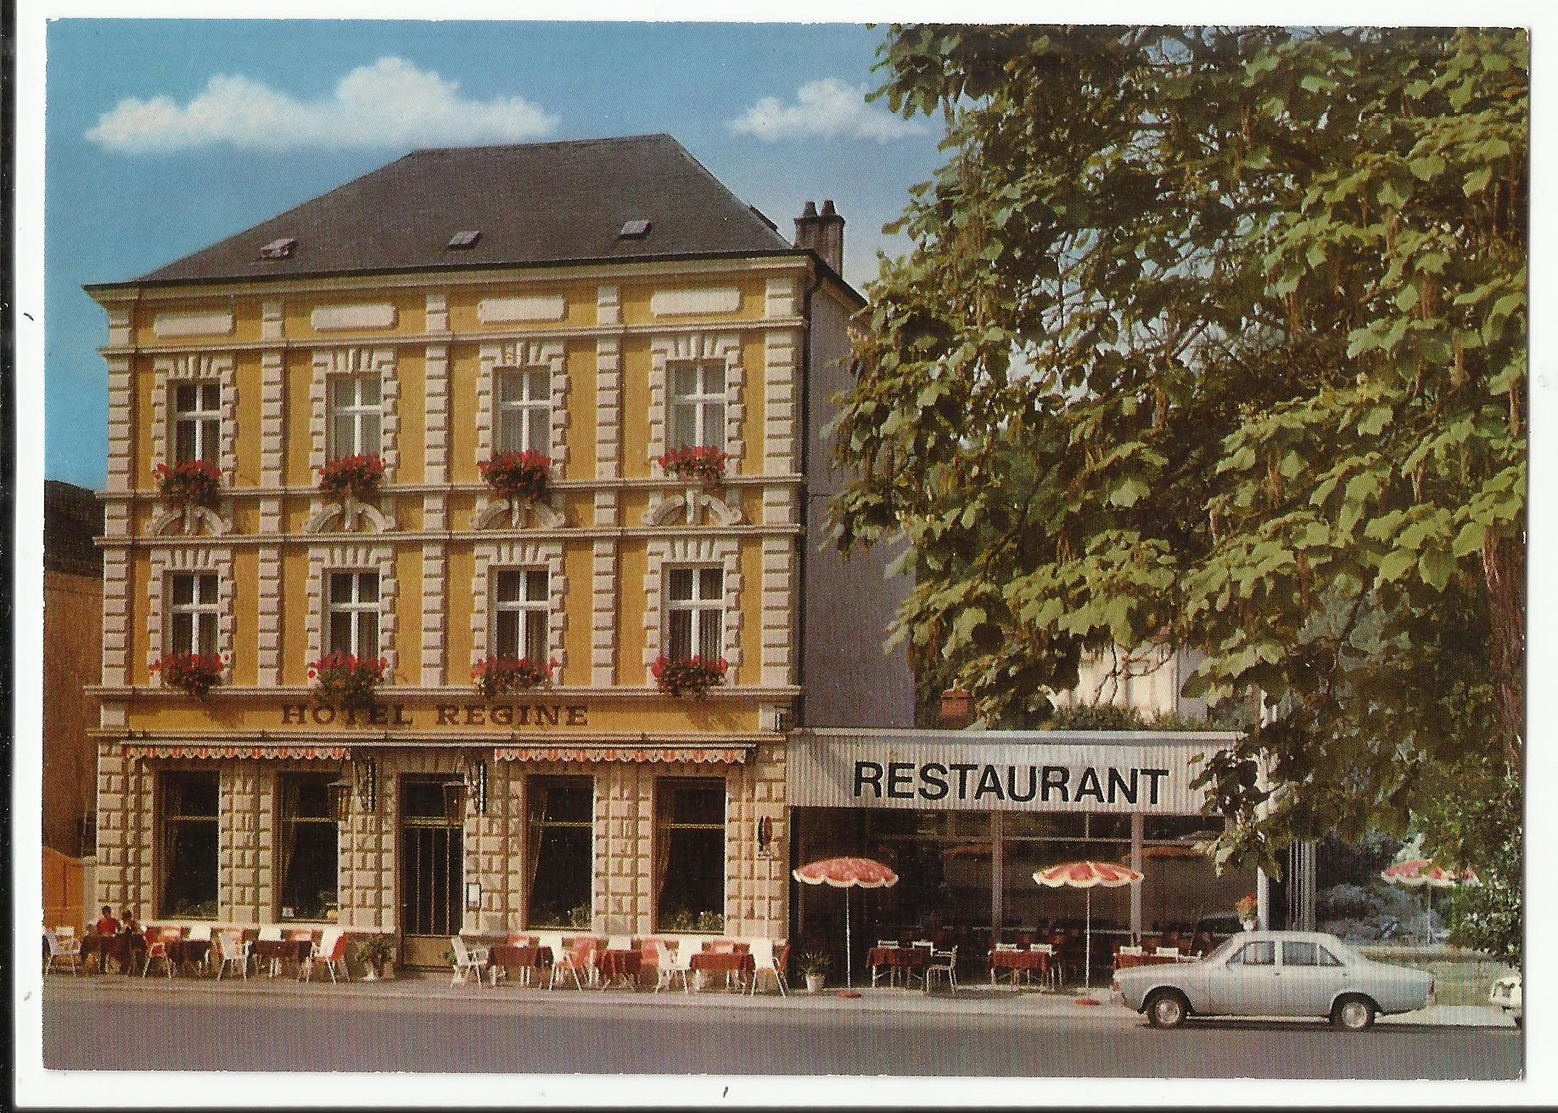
<point x="446" y="715"/>
<point x="1142" y="772"/>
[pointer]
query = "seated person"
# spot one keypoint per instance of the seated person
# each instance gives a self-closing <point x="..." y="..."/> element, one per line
<point x="106" y="924"/>
<point x="132" y="942"/>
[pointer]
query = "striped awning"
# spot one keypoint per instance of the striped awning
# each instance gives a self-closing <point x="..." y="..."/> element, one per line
<point x="259" y="750"/>
<point x="696" y="755"/>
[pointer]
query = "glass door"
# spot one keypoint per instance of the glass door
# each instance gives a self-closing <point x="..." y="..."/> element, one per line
<point x="432" y="873"/>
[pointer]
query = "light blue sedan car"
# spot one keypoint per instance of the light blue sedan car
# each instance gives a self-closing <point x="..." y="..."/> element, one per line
<point x="1276" y="974"/>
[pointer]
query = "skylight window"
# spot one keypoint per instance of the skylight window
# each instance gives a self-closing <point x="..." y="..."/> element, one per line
<point x="634" y="230"/>
<point x="464" y="239"/>
<point x="278" y="249"/>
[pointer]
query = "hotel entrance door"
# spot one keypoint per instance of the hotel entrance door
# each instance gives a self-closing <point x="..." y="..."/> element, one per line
<point x="432" y="856"/>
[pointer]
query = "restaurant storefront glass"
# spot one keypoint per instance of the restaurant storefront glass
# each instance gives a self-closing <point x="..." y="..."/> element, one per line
<point x="690" y="854"/>
<point x="307" y="847"/>
<point x="189" y="840"/>
<point x="559" y="844"/>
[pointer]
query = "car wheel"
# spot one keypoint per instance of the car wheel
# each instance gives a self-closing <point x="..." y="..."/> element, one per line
<point x="1167" y="1009"/>
<point x="1353" y="1013"/>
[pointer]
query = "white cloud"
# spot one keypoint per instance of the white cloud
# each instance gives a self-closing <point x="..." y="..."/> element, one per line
<point x="388" y="104"/>
<point x="824" y="109"/>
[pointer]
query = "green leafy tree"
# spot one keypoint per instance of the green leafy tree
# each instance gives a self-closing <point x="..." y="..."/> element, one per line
<point x="1215" y="338"/>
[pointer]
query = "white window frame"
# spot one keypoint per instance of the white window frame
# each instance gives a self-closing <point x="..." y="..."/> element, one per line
<point x="203" y="613"/>
<point x="203" y="420"/>
<point x="360" y="413"/>
<point x="702" y="608"/>
<point x="705" y="404"/>
<point x="516" y="418"/>
<point x="525" y="608"/>
<point x="354" y="608"/>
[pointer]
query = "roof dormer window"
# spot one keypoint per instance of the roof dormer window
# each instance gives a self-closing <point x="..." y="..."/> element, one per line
<point x="463" y="239"/>
<point x="634" y="230"/>
<point x="278" y="249"/>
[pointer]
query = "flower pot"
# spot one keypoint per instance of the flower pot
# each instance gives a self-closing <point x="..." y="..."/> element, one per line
<point x="1248" y="925"/>
<point x="814" y="982"/>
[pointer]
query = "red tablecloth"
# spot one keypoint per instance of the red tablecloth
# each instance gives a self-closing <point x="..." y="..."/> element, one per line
<point x="724" y="962"/>
<point x="181" y="951"/>
<point x="1019" y="962"/>
<point x="910" y="959"/>
<point x="282" y="950"/>
<point x="625" y="964"/>
<point x="117" y="947"/>
<point x="518" y="956"/>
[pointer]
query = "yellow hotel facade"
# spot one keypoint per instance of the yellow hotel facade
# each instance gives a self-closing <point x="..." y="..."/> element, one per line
<point x="600" y="304"/>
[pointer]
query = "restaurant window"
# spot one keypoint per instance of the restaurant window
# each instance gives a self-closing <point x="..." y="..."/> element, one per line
<point x="1036" y="841"/>
<point x="697" y="403"/>
<point x="356" y="415"/>
<point x="192" y="607"/>
<point x="189" y="824"/>
<point x="308" y="844"/>
<point x="560" y="851"/>
<point x="521" y="601"/>
<point x="1181" y="889"/>
<point x="353" y="605"/>
<point x="690" y="855"/>
<point x="524" y="411"/>
<point x="943" y="862"/>
<point x="695" y="613"/>
<point x="196" y="421"/>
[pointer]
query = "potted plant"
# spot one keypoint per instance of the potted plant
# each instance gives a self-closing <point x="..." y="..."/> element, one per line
<point x="706" y="465"/>
<point x="357" y="476"/>
<point x="193" y="673"/>
<point x="344" y="680"/>
<point x="190" y="483"/>
<point x="498" y="676"/>
<point x="1245" y="908"/>
<point x="692" y="677"/>
<point x="814" y="965"/>
<point x="523" y="475"/>
<point x="376" y="953"/>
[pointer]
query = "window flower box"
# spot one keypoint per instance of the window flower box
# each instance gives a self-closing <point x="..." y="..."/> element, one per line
<point x="190" y="483"/>
<point x="523" y="475"/>
<point x="358" y="476"/>
<point x="692" y="678"/>
<point x="706" y="465"/>
<point x="499" y="676"/>
<point x="343" y="680"/>
<point x="194" y="674"/>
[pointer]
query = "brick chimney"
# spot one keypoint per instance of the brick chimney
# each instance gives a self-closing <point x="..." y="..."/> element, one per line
<point x="822" y="233"/>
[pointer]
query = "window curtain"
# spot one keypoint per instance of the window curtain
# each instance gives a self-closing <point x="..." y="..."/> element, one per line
<point x="287" y="830"/>
<point x="535" y="829"/>
<point x="665" y="810"/>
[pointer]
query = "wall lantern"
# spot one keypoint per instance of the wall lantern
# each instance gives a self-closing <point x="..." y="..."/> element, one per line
<point x="365" y="774"/>
<point x="765" y="837"/>
<point x="341" y="800"/>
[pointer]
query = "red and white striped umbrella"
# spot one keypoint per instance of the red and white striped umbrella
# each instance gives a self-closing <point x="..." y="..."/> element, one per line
<point x="846" y="874"/>
<point x="1422" y="871"/>
<point x="1087" y="876"/>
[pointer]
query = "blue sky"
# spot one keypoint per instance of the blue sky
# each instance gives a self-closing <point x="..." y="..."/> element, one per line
<point x="163" y="136"/>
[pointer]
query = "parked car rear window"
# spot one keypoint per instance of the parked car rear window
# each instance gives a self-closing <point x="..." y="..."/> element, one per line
<point x="1298" y="953"/>
<point x="1327" y="958"/>
<point x="1262" y="952"/>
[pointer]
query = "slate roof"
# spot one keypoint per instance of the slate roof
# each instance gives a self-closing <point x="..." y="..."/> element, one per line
<point x="72" y="517"/>
<point x="534" y="204"/>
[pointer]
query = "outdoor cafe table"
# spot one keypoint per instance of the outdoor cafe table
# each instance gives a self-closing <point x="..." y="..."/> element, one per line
<point x="723" y="962"/>
<point x="523" y="957"/>
<point x="193" y="951"/>
<point x="911" y="960"/>
<point x="105" y="947"/>
<point x="627" y="965"/>
<point x="281" y="950"/>
<point x="1016" y="963"/>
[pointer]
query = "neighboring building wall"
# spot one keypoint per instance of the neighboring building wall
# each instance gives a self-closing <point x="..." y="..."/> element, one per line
<point x="72" y="659"/>
<point x="850" y="678"/>
<point x="1148" y="681"/>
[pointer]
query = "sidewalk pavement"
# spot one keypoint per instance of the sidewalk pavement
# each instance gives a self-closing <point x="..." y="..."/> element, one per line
<point x="976" y="999"/>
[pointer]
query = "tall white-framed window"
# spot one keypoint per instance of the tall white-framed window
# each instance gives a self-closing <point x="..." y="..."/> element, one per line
<point x="193" y="610"/>
<point x="697" y="405"/>
<point x="352" y="606"/>
<point x="695" y="613"/>
<point x="356" y="415"/>
<point x="524" y="410"/>
<point x="197" y="421"/>
<point x="521" y="607"/>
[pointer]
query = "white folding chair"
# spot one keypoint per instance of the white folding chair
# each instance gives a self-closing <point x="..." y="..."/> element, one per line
<point x="1052" y="965"/>
<point x="233" y="950"/>
<point x="271" y="933"/>
<point x="201" y="933"/>
<point x="766" y="962"/>
<point x="467" y="961"/>
<point x="680" y="957"/>
<point x="63" y="947"/>
<point x="942" y="962"/>
<point x="1166" y="952"/>
<point x="331" y="952"/>
<point x="876" y="970"/>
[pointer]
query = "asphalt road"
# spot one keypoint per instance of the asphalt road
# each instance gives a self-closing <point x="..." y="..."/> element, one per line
<point x="505" y="1034"/>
